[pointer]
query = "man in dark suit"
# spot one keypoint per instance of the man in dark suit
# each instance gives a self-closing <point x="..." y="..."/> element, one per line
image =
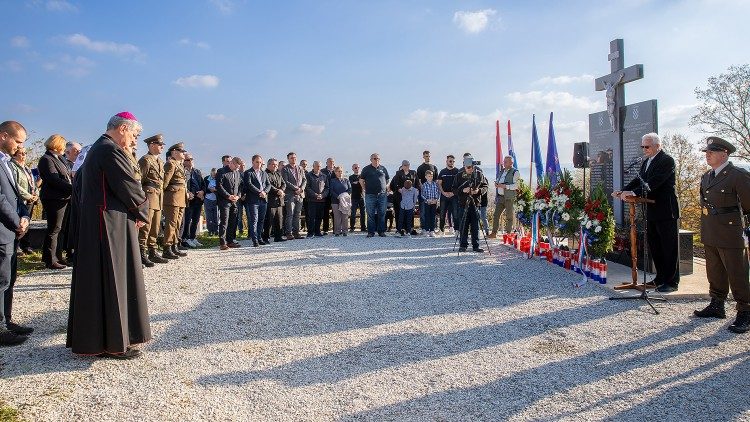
<point x="256" y="188"/>
<point x="725" y="200"/>
<point x="14" y="221"/>
<point x="658" y="172"/>
<point x="228" y="184"/>
<point x="196" y="191"/>
<point x="274" y="214"/>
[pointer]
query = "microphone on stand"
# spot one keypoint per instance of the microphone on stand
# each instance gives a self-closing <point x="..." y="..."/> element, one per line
<point x="631" y="166"/>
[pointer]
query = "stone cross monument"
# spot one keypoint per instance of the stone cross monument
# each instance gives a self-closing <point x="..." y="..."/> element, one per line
<point x="615" y="134"/>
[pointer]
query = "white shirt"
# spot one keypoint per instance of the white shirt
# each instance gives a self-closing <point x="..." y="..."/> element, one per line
<point x="510" y="186"/>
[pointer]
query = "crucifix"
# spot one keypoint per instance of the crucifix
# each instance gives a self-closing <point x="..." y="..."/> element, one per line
<point x="613" y="84"/>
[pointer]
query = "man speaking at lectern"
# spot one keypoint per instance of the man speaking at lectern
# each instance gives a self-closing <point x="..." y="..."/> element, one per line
<point x="658" y="172"/>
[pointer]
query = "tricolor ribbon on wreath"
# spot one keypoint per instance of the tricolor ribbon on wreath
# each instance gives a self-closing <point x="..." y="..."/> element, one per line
<point x="581" y="257"/>
<point x="535" y="222"/>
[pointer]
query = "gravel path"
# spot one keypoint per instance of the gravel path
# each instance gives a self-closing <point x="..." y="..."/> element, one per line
<point x="379" y="329"/>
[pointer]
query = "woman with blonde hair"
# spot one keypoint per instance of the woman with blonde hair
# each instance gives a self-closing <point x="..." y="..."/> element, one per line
<point x="55" y="194"/>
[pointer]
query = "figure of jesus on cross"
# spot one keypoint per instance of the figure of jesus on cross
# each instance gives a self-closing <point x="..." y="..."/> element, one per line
<point x="610" y="88"/>
<point x="613" y="84"/>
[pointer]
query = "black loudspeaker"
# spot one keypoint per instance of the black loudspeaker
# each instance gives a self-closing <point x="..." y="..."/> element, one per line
<point x="581" y="155"/>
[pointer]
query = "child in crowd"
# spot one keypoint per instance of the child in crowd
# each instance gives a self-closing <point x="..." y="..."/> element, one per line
<point x="431" y="197"/>
<point x="409" y="198"/>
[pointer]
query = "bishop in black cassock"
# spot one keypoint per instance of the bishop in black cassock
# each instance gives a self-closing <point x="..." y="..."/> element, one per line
<point x="108" y="311"/>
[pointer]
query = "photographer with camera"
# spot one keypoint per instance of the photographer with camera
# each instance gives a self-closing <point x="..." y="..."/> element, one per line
<point x="469" y="185"/>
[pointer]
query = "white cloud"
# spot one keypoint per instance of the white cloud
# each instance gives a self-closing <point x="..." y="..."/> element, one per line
<point x="60" y="6"/>
<point x="77" y="66"/>
<point x="12" y="66"/>
<point x="198" y="81"/>
<point x="20" y="41"/>
<point x="197" y="44"/>
<point x="563" y="79"/>
<point x="224" y="6"/>
<point x="438" y="118"/>
<point x="554" y="100"/>
<point x="473" y="22"/>
<point x="217" y="117"/>
<point x="24" y="108"/>
<point x="312" y="129"/>
<point x="268" y="135"/>
<point x="679" y="114"/>
<point x="109" y="47"/>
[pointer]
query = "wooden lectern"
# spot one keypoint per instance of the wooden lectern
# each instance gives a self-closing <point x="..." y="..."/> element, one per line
<point x="633" y="200"/>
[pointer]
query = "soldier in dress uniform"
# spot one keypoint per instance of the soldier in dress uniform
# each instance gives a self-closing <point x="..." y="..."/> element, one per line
<point x="725" y="199"/>
<point x="152" y="178"/>
<point x="175" y="199"/>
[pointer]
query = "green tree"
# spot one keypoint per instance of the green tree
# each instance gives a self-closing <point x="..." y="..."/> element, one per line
<point x="689" y="167"/>
<point x="725" y="108"/>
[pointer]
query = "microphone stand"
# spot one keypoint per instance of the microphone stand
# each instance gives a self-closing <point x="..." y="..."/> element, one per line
<point x="645" y="189"/>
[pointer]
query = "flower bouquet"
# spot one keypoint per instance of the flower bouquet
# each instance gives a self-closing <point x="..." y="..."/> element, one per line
<point x="598" y="224"/>
<point x="566" y="204"/>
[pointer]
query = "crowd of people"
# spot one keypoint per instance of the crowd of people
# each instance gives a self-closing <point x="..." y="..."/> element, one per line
<point x="112" y="207"/>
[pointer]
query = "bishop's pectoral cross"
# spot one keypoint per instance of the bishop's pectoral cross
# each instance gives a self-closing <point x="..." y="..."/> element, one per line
<point x="613" y="83"/>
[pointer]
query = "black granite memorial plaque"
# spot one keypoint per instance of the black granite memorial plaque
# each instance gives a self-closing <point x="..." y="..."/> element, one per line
<point x="638" y="120"/>
<point x="602" y="144"/>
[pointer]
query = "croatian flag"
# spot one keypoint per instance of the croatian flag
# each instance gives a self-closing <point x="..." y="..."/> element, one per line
<point x="511" y="151"/>
<point x="553" y="161"/>
<point x="498" y="150"/>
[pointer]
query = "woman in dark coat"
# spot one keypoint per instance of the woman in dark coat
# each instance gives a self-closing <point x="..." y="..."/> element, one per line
<point x="55" y="195"/>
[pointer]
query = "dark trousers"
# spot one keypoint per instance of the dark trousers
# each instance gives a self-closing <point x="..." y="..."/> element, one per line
<point x="470" y="219"/>
<point x="662" y="245"/>
<point x="273" y="223"/>
<point x="406" y="219"/>
<point x="8" y="266"/>
<point x="192" y="216"/>
<point x="25" y="242"/>
<point x="326" y="214"/>
<point x="212" y="218"/>
<point x="358" y="204"/>
<point x="397" y="210"/>
<point x="447" y="208"/>
<point x="315" y="212"/>
<point x="52" y="248"/>
<point x="427" y="214"/>
<point x="256" y="215"/>
<point x="227" y="223"/>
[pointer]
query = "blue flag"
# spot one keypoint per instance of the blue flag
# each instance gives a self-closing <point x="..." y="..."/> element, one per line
<point x="511" y="151"/>
<point x="536" y="152"/>
<point x="553" y="161"/>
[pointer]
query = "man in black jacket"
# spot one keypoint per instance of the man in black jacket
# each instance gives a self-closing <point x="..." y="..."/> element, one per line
<point x="196" y="192"/>
<point x="228" y="185"/>
<point x="358" y="201"/>
<point x="274" y="212"/>
<point x="469" y="185"/>
<point x="658" y="171"/>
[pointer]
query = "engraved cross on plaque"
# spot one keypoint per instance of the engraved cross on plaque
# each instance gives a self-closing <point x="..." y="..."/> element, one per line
<point x="614" y="83"/>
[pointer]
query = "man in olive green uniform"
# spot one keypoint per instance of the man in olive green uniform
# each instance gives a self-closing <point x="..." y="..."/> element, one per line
<point x="175" y="199"/>
<point x="725" y="198"/>
<point x="152" y="179"/>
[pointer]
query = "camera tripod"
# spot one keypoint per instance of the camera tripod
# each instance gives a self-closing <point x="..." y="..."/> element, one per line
<point x="462" y="225"/>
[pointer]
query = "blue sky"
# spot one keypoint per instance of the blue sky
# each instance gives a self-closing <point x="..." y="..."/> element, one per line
<point x="347" y="78"/>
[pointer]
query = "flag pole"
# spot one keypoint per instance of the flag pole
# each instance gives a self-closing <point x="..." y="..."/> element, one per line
<point x="531" y="166"/>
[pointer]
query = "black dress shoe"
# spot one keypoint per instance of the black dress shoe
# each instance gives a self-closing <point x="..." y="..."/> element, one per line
<point x="9" y="338"/>
<point x="462" y="249"/>
<point x="255" y="243"/>
<point x="741" y="324"/>
<point x="233" y="244"/>
<point x="414" y="233"/>
<point x="19" y="329"/>
<point x="666" y="288"/>
<point x="129" y="354"/>
<point x="155" y="257"/>
<point x="370" y="234"/>
<point x="381" y="234"/>
<point x="56" y="266"/>
<point x="715" y="309"/>
<point x="281" y="239"/>
<point x="477" y="249"/>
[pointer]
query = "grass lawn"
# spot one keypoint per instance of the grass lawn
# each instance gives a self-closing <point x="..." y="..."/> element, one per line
<point x="8" y="414"/>
<point x="28" y="263"/>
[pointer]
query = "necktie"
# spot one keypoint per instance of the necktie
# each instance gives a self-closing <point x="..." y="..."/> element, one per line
<point x="711" y="176"/>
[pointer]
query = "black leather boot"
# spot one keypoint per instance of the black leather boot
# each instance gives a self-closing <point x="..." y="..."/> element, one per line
<point x="742" y="323"/>
<point x="154" y="257"/>
<point x="715" y="309"/>
<point x="144" y="259"/>
<point x="168" y="254"/>
<point x="176" y="250"/>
